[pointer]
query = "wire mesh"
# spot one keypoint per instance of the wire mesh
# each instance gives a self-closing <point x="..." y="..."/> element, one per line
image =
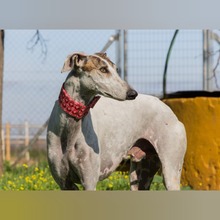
<point x="32" y="77"/>
<point x="32" y="81"/>
<point x="147" y="51"/>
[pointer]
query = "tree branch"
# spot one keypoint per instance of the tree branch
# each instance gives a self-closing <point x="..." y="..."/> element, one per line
<point x="214" y="71"/>
<point x="38" y="39"/>
<point x="215" y="37"/>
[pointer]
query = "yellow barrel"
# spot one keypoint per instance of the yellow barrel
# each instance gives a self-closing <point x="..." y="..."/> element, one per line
<point x="201" y="117"/>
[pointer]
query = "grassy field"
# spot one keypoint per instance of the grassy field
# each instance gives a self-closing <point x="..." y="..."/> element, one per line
<point x="38" y="177"/>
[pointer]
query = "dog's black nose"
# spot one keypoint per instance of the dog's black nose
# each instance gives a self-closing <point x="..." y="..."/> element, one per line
<point x="131" y="94"/>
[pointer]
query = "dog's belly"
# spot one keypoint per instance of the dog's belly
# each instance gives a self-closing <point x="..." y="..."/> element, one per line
<point x="117" y="125"/>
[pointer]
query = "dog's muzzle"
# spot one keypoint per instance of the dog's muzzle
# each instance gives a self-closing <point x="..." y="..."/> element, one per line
<point x="131" y="94"/>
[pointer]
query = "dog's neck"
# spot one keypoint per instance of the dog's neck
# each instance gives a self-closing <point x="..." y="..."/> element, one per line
<point x="74" y="89"/>
<point x="74" y="100"/>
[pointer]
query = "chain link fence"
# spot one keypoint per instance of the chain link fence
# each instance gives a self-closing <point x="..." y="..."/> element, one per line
<point x="147" y="52"/>
<point x="33" y="61"/>
<point x="32" y="78"/>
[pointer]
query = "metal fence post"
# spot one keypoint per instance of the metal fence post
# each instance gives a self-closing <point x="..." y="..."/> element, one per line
<point x="122" y="50"/>
<point x="118" y="52"/>
<point x="125" y="56"/>
<point x="207" y="60"/>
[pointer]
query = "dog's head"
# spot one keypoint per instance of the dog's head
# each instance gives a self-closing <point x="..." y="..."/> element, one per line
<point x="98" y="75"/>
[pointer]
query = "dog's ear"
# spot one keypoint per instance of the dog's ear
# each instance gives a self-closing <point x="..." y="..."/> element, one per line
<point x="73" y="61"/>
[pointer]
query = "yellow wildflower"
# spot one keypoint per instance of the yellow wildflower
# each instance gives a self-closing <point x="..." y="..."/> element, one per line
<point x="43" y="179"/>
<point x="110" y="185"/>
<point x="36" y="169"/>
<point x="10" y="182"/>
<point x="27" y="179"/>
<point x="41" y="173"/>
<point x="25" y="165"/>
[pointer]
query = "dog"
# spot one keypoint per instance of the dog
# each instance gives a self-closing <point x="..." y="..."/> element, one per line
<point x="99" y="120"/>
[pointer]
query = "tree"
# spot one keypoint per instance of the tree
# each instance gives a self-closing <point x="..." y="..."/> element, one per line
<point x="1" y="90"/>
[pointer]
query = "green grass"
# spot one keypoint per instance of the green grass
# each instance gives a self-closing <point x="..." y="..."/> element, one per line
<point x="33" y="177"/>
<point x="24" y="177"/>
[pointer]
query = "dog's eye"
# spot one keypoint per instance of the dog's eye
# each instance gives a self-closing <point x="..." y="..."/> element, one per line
<point x="117" y="69"/>
<point x="103" y="70"/>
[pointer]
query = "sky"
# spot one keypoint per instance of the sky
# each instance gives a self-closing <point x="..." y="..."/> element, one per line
<point x="32" y="82"/>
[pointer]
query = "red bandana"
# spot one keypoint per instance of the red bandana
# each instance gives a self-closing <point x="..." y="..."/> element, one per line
<point x="74" y="108"/>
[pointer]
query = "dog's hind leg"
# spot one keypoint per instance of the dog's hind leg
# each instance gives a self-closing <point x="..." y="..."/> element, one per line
<point x="142" y="173"/>
<point x="171" y="169"/>
<point x="144" y="165"/>
<point x="171" y="175"/>
<point x="149" y="167"/>
<point x="171" y="157"/>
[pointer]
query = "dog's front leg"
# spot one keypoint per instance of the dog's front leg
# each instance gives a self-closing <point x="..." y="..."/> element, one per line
<point x="58" y="163"/>
<point x="86" y="162"/>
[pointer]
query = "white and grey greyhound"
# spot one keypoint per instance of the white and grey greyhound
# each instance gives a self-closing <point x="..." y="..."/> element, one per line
<point x="86" y="145"/>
